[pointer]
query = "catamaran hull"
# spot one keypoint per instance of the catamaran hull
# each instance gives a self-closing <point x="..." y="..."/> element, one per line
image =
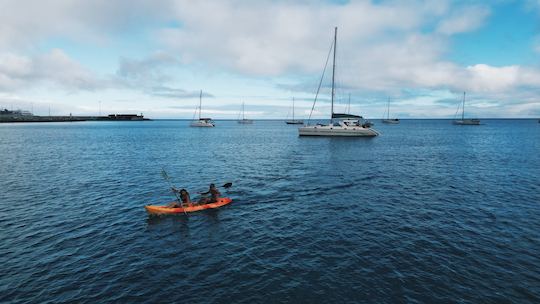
<point x="245" y="122"/>
<point x="467" y="122"/>
<point x="294" y="122"/>
<point x="337" y="131"/>
<point x="390" y="121"/>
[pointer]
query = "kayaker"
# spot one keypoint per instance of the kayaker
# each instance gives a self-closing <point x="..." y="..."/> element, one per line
<point x="214" y="195"/>
<point x="186" y="200"/>
<point x="184" y="196"/>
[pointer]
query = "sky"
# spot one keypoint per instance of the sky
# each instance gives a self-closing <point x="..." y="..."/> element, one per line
<point x="154" y="57"/>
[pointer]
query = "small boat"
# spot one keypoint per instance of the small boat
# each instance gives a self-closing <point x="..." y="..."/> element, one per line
<point x="341" y="124"/>
<point x="463" y="121"/>
<point x="388" y="120"/>
<point x="202" y="122"/>
<point x="244" y="121"/>
<point x="294" y="121"/>
<point x="155" y="209"/>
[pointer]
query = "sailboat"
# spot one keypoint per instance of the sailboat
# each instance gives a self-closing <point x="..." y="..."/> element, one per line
<point x="340" y="124"/>
<point x="244" y="121"/>
<point x="293" y="121"/>
<point x="387" y="120"/>
<point x="202" y="122"/>
<point x="463" y="121"/>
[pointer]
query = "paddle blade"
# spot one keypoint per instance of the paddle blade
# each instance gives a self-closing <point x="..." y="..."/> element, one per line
<point x="164" y="174"/>
<point x="227" y="185"/>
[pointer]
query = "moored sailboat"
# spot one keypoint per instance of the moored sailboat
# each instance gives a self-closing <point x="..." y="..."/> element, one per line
<point x="388" y="120"/>
<point x="340" y="124"/>
<point x="463" y="121"/>
<point x="244" y="121"/>
<point x="294" y="121"/>
<point x="202" y="122"/>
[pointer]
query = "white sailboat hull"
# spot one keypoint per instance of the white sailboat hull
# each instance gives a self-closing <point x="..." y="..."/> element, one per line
<point x="357" y="131"/>
<point x="467" y="122"/>
<point x="202" y="124"/>
<point x="245" y="121"/>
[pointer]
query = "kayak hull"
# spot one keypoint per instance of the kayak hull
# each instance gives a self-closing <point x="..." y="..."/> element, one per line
<point x="154" y="209"/>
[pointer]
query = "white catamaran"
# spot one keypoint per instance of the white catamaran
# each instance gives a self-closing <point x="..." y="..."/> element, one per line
<point x="463" y="121"/>
<point x="389" y="120"/>
<point x="340" y="124"/>
<point x="244" y="121"/>
<point x="202" y="122"/>
<point x="293" y="121"/>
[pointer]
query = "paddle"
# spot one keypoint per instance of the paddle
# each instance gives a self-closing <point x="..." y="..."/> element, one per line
<point x="167" y="178"/>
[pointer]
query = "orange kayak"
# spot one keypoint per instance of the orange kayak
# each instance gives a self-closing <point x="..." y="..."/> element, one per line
<point x="154" y="209"/>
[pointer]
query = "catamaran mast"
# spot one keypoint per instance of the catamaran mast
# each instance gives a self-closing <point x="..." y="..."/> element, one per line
<point x="333" y="75"/>
<point x="200" y="104"/>
<point x="243" y="116"/>
<point x="349" y="105"/>
<point x="463" y="112"/>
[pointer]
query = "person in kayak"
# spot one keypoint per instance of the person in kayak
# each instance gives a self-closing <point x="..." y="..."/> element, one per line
<point x="184" y="196"/>
<point x="214" y="195"/>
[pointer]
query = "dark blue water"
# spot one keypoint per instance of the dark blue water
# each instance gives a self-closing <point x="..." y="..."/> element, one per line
<point x="426" y="212"/>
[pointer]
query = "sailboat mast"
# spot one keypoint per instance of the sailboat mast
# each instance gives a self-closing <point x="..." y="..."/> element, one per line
<point x="243" y="113"/>
<point x="349" y="105"/>
<point x="200" y="104"/>
<point x="388" y="109"/>
<point x="333" y="74"/>
<point x="293" y="109"/>
<point x="463" y="112"/>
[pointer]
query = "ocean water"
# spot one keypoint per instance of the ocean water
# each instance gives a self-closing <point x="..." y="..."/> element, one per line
<point x="428" y="212"/>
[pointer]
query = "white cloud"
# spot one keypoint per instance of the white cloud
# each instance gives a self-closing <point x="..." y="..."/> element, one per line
<point x="273" y="37"/>
<point x="26" y="23"/>
<point x="383" y="47"/>
<point x="54" y="67"/>
<point x="462" y="20"/>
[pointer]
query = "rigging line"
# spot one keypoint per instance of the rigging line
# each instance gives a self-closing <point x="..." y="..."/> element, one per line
<point x="320" y="82"/>
<point x="195" y="113"/>
<point x="458" y="108"/>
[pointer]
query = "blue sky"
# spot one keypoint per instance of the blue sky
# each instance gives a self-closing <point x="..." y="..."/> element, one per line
<point x="154" y="57"/>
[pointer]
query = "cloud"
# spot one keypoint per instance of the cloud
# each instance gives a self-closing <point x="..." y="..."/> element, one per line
<point x="384" y="47"/>
<point x="275" y="37"/>
<point x="26" y="23"/>
<point x="54" y="67"/>
<point x="168" y="92"/>
<point x="143" y="69"/>
<point x="149" y="75"/>
<point x="464" y="19"/>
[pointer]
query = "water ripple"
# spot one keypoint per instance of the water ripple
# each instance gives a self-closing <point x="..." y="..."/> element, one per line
<point x="425" y="213"/>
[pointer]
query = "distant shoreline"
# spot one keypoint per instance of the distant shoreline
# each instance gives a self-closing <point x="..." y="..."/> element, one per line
<point x="70" y="118"/>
